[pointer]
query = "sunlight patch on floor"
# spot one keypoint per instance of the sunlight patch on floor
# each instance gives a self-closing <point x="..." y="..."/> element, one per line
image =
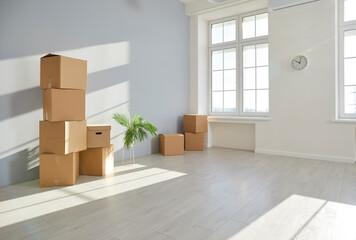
<point x="36" y="205"/>
<point x="300" y="217"/>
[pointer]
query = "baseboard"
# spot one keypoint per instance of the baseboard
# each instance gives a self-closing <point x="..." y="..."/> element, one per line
<point x="307" y="156"/>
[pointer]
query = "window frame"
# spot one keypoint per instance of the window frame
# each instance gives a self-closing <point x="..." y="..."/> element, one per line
<point x="342" y="28"/>
<point x="238" y="44"/>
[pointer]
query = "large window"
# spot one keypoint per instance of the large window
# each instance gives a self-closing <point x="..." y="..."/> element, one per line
<point x="347" y="55"/>
<point x="239" y="76"/>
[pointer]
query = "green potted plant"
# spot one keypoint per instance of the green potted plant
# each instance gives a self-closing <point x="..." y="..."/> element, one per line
<point x="136" y="130"/>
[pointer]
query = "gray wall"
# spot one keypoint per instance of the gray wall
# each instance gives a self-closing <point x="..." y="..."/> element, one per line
<point x="138" y="52"/>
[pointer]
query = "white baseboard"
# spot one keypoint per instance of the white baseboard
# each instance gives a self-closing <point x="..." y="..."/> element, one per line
<point x="305" y="155"/>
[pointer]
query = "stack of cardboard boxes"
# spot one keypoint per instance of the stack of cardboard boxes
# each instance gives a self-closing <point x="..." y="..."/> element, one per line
<point x="63" y="131"/>
<point x="194" y="127"/>
<point x="64" y="137"/>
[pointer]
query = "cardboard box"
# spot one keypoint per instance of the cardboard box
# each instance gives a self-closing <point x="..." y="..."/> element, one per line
<point x="98" y="136"/>
<point x="97" y="161"/>
<point x="63" y="72"/>
<point x="63" y="105"/>
<point x="171" y="144"/>
<point x="58" y="170"/>
<point x="63" y="137"/>
<point x="195" y="123"/>
<point x="194" y="141"/>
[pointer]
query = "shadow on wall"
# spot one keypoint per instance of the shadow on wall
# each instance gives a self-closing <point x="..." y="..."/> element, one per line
<point x="104" y="70"/>
<point x="154" y="145"/>
<point x="180" y="124"/>
<point x="25" y="162"/>
<point x="17" y="103"/>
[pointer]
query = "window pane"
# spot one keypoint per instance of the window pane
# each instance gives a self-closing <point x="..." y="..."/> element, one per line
<point x="230" y="80"/>
<point x="217" y="33"/>
<point x="230" y="31"/>
<point x="350" y="99"/>
<point x="249" y="78"/>
<point x="262" y="77"/>
<point x="262" y="54"/>
<point x="350" y="10"/>
<point x="229" y="58"/>
<point x="217" y="81"/>
<point x="217" y="60"/>
<point x="262" y="101"/>
<point x="217" y="102"/>
<point x="249" y="56"/>
<point x="261" y="25"/>
<point x="230" y="101"/>
<point x="350" y="43"/>
<point x="350" y="71"/>
<point x="248" y="27"/>
<point x="249" y="101"/>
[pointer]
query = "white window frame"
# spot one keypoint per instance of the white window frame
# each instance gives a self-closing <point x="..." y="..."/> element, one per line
<point x="238" y="44"/>
<point x="342" y="28"/>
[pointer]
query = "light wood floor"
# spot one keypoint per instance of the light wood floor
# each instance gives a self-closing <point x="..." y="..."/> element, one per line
<point x="215" y="194"/>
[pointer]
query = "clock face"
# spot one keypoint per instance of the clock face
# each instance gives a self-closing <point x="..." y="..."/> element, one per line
<point x="299" y="62"/>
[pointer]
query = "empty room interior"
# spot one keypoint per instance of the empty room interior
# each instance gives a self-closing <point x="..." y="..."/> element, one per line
<point x="178" y="119"/>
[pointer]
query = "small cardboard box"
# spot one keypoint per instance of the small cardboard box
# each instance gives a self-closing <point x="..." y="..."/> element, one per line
<point x="63" y="105"/>
<point x="97" y="161"/>
<point x="171" y="144"/>
<point x="195" y="123"/>
<point x="63" y="137"/>
<point x="58" y="170"/>
<point x="98" y="136"/>
<point x="194" y="141"/>
<point x="63" y="72"/>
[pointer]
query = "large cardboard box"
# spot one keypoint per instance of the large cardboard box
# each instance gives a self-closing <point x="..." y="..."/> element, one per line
<point x="97" y="161"/>
<point x="171" y="144"/>
<point x="58" y="170"/>
<point x="194" y="141"/>
<point x="63" y="105"/>
<point x="63" y="72"/>
<point x="98" y="136"/>
<point x="63" y="137"/>
<point x="195" y="123"/>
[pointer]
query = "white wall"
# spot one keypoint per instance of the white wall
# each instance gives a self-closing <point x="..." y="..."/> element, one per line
<point x="199" y="65"/>
<point x="231" y="135"/>
<point x="302" y="103"/>
<point x="138" y="59"/>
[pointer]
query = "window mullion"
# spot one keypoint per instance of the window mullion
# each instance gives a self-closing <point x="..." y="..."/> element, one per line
<point x="223" y="77"/>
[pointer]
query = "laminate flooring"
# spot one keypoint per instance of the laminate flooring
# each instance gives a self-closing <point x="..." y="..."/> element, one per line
<point x="215" y="194"/>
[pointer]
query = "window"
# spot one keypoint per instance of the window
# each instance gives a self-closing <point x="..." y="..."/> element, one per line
<point x="347" y="59"/>
<point x="239" y="74"/>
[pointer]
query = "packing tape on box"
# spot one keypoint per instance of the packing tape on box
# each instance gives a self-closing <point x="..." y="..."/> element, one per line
<point x="46" y="118"/>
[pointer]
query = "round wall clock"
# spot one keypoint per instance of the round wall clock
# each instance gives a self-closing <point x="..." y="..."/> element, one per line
<point x="299" y="62"/>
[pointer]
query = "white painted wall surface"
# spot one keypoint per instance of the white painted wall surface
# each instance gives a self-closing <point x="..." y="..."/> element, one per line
<point x="231" y="135"/>
<point x="302" y="103"/>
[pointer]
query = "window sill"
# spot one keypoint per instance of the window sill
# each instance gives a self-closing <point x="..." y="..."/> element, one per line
<point x="343" y="120"/>
<point x="228" y="119"/>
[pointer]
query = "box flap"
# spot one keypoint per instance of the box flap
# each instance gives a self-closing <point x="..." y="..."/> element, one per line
<point x="99" y="127"/>
<point x="50" y="55"/>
